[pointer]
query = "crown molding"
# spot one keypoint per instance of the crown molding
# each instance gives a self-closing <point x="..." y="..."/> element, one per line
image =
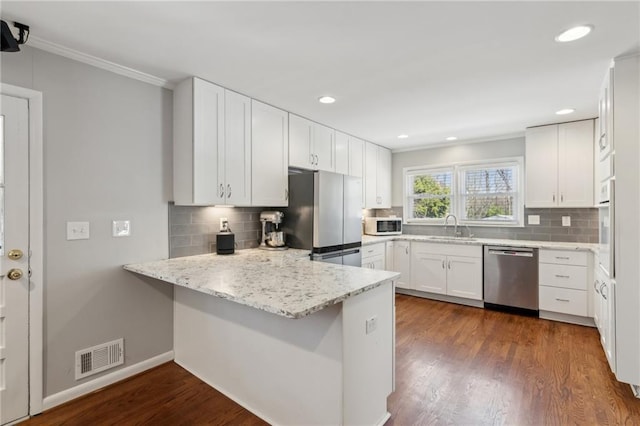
<point x="76" y="55"/>
<point x="497" y="138"/>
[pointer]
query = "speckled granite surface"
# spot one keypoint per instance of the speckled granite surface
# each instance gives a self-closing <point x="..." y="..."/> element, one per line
<point x="371" y="239"/>
<point x="285" y="283"/>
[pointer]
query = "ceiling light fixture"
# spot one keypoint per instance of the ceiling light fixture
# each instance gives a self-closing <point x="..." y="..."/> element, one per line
<point x="7" y="41"/>
<point x="452" y="138"/>
<point x="565" y="111"/>
<point x="326" y="100"/>
<point x="574" y="33"/>
<point x="403" y="136"/>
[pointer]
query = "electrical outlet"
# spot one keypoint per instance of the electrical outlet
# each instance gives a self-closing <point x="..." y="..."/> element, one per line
<point x="533" y="219"/>
<point x="224" y="224"/>
<point x="120" y="228"/>
<point x="77" y="230"/>
<point x="371" y="324"/>
<point x="566" y="220"/>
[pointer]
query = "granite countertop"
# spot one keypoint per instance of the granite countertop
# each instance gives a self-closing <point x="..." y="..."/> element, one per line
<point x="285" y="283"/>
<point x="552" y="245"/>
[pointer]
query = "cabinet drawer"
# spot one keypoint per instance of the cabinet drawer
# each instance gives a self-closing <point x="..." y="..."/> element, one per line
<point x="565" y="276"/>
<point x="373" y="262"/>
<point x="464" y="250"/>
<point x="563" y="257"/>
<point x="373" y="250"/>
<point x="563" y="300"/>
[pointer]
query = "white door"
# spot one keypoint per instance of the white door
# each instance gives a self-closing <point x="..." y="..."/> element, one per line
<point x="464" y="277"/>
<point x="237" y="149"/>
<point x="14" y="239"/>
<point x="575" y="164"/>
<point x="324" y="147"/>
<point x="370" y="175"/>
<point x="300" y="143"/>
<point x="541" y="166"/>
<point x="402" y="263"/>
<point x="383" y="178"/>
<point x="428" y="271"/>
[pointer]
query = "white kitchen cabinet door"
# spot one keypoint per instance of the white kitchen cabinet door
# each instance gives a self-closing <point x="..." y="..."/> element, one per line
<point x="198" y="132"/>
<point x="237" y="150"/>
<point x="402" y="263"/>
<point x="370" y="175"/>
<point x="378" y="263"/>
<point x="575" y="164"/>
<point x="356" y="163"/>
<point x="383" y="178"/>
<point x="324" y="145"/>
<point x="464" y="277"/>
<point x="342" y="153"/>
<point x="388" y="258"/>
<point x="356" y="158"/>
<point x="301" y="142"/>
<point x="541" y="166"/>
<point x="428" y="271"/>
<point x="270" y="159"/>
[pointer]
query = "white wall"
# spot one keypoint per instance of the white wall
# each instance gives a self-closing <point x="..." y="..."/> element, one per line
<point x="450" y="154"/>
<point x="107" y="155"/>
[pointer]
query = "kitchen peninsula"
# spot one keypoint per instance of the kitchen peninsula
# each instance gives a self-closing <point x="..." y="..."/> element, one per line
<point x="293" y="341"/>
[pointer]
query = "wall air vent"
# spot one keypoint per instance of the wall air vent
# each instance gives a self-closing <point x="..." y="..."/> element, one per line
<point x="99" y="358"/>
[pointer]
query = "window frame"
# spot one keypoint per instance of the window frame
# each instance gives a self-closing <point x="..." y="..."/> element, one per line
<point x="457" y="191"/>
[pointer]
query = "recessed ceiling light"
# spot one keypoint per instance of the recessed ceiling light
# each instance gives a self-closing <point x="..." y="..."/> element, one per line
<point x="452" y="138"/>
<point x="565" y="111"/>
<point x="574" y="33"/>
<point x="403" y="136"/>
<point x="326" y="100"/>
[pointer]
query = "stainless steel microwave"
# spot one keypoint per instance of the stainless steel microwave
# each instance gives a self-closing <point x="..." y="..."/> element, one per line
<point x="383" y="225"/>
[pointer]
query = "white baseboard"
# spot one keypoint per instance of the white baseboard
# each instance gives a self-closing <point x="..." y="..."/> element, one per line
<point x="384" y="419"/>
<point x="106" y="380"/>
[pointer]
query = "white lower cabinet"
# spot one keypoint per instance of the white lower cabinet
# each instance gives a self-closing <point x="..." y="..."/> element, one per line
<point x="401" y="256"/>
<point x="563" y="277"/>
<point x="454" y="270"/>
<point x="373" y="256"/>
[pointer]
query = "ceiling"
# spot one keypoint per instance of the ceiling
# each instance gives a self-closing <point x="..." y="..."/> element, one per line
<point x="476" y="70"/>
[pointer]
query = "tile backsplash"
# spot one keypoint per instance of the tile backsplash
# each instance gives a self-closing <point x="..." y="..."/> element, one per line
<point x="583" y="229"/>
<point x="192" y="230"/>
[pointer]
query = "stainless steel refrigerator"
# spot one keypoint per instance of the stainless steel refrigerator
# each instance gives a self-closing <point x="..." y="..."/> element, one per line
<point x="325" y="216"/>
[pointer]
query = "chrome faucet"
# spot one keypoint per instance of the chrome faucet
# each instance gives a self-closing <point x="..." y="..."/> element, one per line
<point x="455" y="224"/>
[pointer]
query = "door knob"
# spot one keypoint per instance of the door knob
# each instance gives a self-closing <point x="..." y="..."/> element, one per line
<point x="14" y="274"/>
<point x="15" y="254"/>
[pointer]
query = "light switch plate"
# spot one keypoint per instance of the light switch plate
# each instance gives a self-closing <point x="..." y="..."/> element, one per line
<point x="371" y="324"/>
<point x="77" y="231"/>
<point x="121" y="228"/>
<point x="566" y="220"/>
<point x="533" y="219"/>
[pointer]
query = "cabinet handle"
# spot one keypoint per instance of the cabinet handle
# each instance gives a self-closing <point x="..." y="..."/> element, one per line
<point x="406" y="249"/>
<point x="317" y="159"/>
<point x="443" y="264"/>
<point x="562" y="257"/>
<point x="562" y="276"/>
<point x="595" y="286"/>
<point x="602" y="288"/>
<point x="449" y="264"/>
<point x="562" y="300"/>
<point x="601" y="142"/>
<point x="228" y="190"/>
<point x="561" y="197"/>
<point x="286" y="194"/>
<point x="311" y="159"/>
<point x="554" y="197"/>
<point x="221" y="191"/>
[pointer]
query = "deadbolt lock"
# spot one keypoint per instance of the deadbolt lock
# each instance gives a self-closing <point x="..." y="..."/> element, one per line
<point x="15" y="254"/>
<point x="14" y="274"/>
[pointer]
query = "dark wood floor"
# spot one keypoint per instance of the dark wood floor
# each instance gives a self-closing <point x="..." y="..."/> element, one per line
<point x="454" y="365"/>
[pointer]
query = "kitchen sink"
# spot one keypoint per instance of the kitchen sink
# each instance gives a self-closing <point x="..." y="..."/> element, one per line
<point x="447" y="238"/>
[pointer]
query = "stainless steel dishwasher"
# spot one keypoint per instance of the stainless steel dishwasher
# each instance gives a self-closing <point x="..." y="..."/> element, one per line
<point x="511" y="279"/>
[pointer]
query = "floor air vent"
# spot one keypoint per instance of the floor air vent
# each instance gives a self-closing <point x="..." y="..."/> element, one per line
<point x="99" y="358"/>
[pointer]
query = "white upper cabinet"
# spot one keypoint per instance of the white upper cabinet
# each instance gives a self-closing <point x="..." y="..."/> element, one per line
<point x="212" y="145"/>
<point x="356" y="158"/>
<point x="270" y="155"/>
<point x="236" y="168"/>
<point x="311" y="145"/>
<point x="342" y="153"/>
<point x="377" y="177"/>
<point x="559" y="165"/>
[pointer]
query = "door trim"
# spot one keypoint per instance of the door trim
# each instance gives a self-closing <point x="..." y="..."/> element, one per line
<point x="36" y="242"/>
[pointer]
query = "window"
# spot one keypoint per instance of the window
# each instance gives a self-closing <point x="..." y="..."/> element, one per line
<point x="476" y="193"/>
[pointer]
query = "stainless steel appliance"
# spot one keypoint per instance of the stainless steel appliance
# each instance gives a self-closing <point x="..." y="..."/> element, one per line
<point x="511" y="279"/>
<point x="324" y="216"/>
<point x="272" y="238"/>
<point x="383" y="225"/>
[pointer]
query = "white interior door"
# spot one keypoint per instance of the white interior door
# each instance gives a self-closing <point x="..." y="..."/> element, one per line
<point x="14" y="259"/>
